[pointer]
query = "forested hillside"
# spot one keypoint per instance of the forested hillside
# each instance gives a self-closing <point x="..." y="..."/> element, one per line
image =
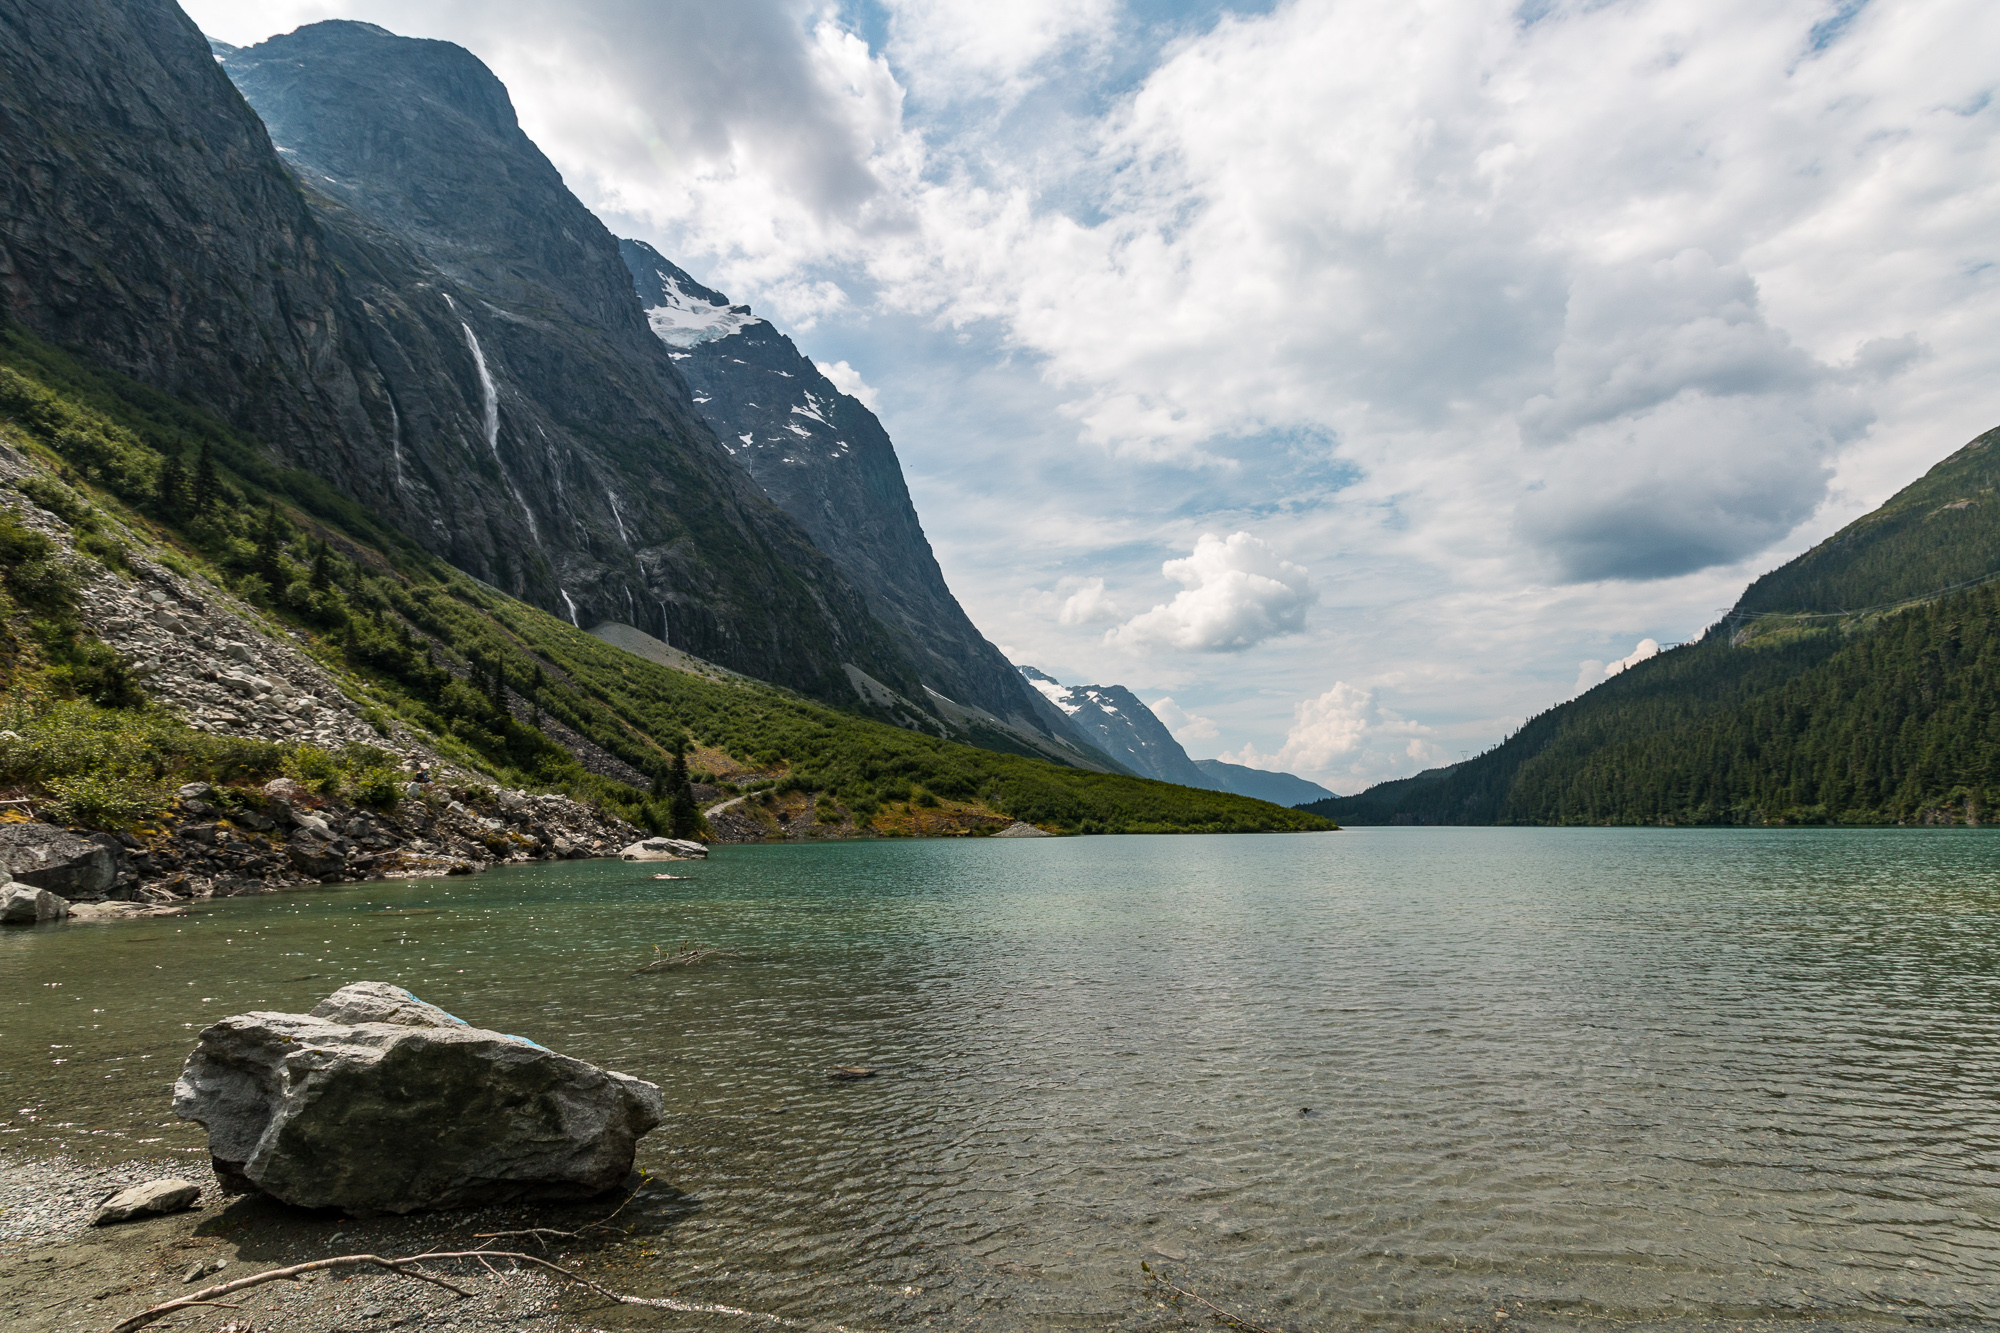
<point x="1789" y="711"/>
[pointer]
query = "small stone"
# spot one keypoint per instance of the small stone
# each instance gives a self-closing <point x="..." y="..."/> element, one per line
<point x="847" y="1073"/>
<point x="193" y="791"/>
<point x="147" y="1200"/>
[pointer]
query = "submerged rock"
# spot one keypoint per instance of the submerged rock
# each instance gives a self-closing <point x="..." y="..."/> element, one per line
<point x="664" y="849"/>
<point x="379" y="1103"/>
<point x="148" y="1200"/>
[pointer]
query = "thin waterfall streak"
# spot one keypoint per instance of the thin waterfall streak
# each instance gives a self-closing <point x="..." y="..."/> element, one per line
<point x="572" y="607"/>
<point x="666" y="633"/>
<point x="489" y="393"/>
<point x="617" y="517"/>
<point x="396" y="446"/>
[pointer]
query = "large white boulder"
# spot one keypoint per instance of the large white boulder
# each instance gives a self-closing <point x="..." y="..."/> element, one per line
<point x="664" y="849"/>
<point x="379" y="1103"/>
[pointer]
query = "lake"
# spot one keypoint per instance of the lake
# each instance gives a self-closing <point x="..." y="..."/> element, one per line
<point x="1382" y="1078"/>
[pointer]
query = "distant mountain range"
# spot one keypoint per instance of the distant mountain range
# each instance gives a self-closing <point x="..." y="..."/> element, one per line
<point x="1116" y="722"/>
<point x="1859" y="683"/>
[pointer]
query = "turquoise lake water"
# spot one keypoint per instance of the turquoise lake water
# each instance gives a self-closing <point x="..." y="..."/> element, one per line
<point x="1386" y="1078"/>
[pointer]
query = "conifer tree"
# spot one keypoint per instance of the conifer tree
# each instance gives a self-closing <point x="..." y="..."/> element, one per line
<point x="207" y="486"/>
<point x="172" y="494"/>
<point x="270" y="545"/>
<point x="682" y="813"/>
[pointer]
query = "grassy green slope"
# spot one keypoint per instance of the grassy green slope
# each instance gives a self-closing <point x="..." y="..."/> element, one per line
<point x="493" y="678"/>
<point x="1875" y="717"/>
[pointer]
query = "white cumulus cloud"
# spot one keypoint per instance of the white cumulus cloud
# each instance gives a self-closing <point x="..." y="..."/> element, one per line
<point x="1344" y="736"/>
<point x="1186" y="726"/>
<point x="848" y="380"/>
<point x="1236" y="592"/>
<point x="1086" y="604"/>
<point x="1595" y="671"/>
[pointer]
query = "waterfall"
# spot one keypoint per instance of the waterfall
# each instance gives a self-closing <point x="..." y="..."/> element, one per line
<point x="396" y="445"/>
<point x="666" y="631"/>
<point x="572" y="608"/>
<point x="490" y="394"/>
<point x="619" y="518"/>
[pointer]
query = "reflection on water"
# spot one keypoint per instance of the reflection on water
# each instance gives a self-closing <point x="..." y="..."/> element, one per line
<point x="1376" y="1079"/>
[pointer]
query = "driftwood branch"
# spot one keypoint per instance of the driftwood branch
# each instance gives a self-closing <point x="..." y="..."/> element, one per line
<point x="211" y="1295"/>
<point x="689" y="952"/>
<point x="406" y="1267"/>
<point x="1225" y="1316"/>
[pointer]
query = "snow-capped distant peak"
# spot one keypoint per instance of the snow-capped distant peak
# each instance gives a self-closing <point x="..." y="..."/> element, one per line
<point x="1051" y="689"/>
<point x="683" y="319"/>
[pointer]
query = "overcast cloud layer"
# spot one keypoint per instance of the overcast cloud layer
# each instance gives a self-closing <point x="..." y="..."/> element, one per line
<point x="1361" y="378"/>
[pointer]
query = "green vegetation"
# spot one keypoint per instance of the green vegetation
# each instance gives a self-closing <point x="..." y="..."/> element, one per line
<point x="1938" y="532"/>
<point x="1786" y="713"/>
<point x="494" y="680"/>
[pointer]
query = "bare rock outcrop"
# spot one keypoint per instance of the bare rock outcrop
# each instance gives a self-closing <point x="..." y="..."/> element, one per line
<point x="379" y="1103"/>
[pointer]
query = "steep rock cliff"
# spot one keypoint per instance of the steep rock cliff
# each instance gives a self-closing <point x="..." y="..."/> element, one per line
<point x="471" y="262"/>
<point x="823" y="457"/>
<point x="1120" y="725"/>
<point x="416" y="310"/>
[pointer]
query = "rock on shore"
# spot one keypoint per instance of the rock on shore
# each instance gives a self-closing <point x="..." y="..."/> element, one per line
<point x="664" y="849"/>
<point x="27" y="905"/>
<point x="379" y="1103"/>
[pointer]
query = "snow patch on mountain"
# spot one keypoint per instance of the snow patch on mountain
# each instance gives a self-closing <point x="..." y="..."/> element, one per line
<point x="683" y="318"/>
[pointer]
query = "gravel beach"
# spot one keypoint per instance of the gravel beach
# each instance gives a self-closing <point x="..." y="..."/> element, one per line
<point x="58" y="1274"/>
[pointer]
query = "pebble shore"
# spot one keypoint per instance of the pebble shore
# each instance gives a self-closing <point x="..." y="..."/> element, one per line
<point x="58" y="1274"/>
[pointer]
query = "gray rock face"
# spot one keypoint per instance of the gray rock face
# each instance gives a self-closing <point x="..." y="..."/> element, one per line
<point x="408" y="1109"/>
<point x="663" y="849"/>
<point x="1121" y="726"/>
<point x="26" y="905"/>
<point x="81" y="868"/>
<point x="148" y="1200"/>
<point x="379" y="1002"/>
<point x="542" y="440"/>
<point x="823" y="457"/>
<point x="440" y="330"/>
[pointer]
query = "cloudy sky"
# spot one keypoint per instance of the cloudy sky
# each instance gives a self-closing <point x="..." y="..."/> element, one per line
<point x="1357" y="378"/>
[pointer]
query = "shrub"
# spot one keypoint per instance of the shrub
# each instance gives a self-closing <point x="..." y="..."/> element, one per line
<point x="104" y="799"/>
<point x="381" y="787"/>
<point x="55" y="497"/>
<point x="314" y="769"/>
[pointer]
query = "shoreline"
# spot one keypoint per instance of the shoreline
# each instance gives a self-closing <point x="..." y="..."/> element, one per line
<point x="58" y="1274"/>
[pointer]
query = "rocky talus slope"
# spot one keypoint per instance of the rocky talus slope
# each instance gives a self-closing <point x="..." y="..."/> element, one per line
<point x="205" y="656"/>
